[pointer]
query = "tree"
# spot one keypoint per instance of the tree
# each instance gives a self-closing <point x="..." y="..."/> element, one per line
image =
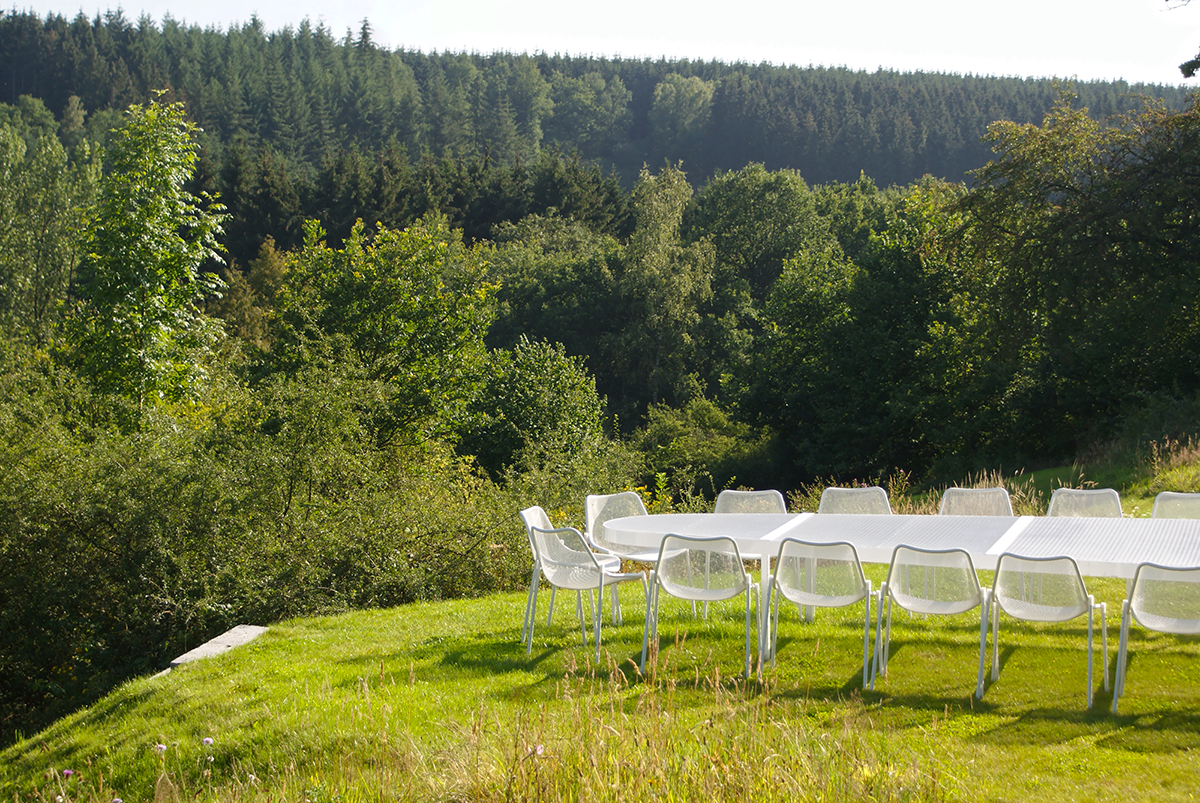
<point x="756" y="219"/>
<point x="533" y="396"/>
<point x="406" y="309"/>
<point x="139" y="324"/>
<point x="662" y="285"/>
<point x="680" y="114"/>
<point x="1189" y="67"/>
<point x="43" y="197"/>
<point x="1081" y="253"/>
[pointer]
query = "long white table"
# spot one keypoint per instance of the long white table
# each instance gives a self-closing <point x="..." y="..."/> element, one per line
<point x="1101" y="547"/>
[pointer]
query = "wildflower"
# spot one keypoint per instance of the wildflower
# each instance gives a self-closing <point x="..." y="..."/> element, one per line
<point x="58" y="799"/>
<point x="117" y="800"/>
<point x="162" y="748"/>
<point x="207" y="741"/>
<point x="68" y="773"/>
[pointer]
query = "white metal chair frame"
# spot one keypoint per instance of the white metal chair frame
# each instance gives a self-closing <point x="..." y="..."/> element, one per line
<point x="597" y="511"/>
<point x="567" y="562"/>
<point x="678" y="544"/>
<point x="1133" y="608"/>
<point x="730" y="501"/>
<point x="1081" y="502"/>
<point x="970" y="501"/>
<point x="815" y="555"/>
<point x="1029" y="606"/>
<point x="535" y="516"/>
<point x="934" y="558"/>
<point x="736" y="502"/>
<point x="868" y="500"/>
<point x="1174" y="505"/>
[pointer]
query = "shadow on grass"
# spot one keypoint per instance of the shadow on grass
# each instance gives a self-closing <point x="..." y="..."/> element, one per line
<point x="1158" y="732"/>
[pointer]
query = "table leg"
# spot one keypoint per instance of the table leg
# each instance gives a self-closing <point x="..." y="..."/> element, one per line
<point x="764" y="613"/>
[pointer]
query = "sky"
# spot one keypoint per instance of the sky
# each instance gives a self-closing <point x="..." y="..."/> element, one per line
<point x="1140" y="41"/>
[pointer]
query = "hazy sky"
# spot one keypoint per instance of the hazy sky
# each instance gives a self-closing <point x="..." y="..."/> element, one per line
<point x="1138" y="40"/>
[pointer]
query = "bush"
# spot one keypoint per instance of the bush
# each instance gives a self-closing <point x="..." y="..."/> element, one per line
<point x="121" y="550"/>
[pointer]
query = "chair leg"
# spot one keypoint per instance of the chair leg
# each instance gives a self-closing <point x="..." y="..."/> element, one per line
<point x="531" y="605"/>
<point x="984" y="610"/>
<point x="746" y="672"/>
<point x="995" y="640"/>
<point x="532" y="621"/>
<point x="598" y="614"/>
<point x="650" y="630"/>
<point x="1104" y="641"/>
<point x="867" y="634"/>
<point x="550" y="613"/>
<point x="1091" y="619"/>
<point x="887" y="638"/>
<point x="1122" y="647"/>
<point x="878" y="632"/>
<point x="773" y="593"/>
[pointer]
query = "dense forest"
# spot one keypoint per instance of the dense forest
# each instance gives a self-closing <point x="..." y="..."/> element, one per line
<point x="293" y="324"/>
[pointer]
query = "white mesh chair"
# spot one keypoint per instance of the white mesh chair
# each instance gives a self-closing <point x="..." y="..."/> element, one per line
<point x="821" y="576"/>
<point x="729" y="502"/>
<point x="1165" y="599"/>
<point x="1099" y="503"/>
<point x="1042" y="590"/>
<point x="727" y="578"/>
<point x="863" y="501"/>
<point x="946" y="585"/>
<point x="567" y="562"/>
<point x="536" y="517"/>
<point x="867" y="501"/>
<point x="975" y="502"/>
<point x="750" y="502"/>
<point x="599" y="508"/>
<point x="1172" y="505"/>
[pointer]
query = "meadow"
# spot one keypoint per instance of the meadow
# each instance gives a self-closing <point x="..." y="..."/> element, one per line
<point x="438" y="701"/>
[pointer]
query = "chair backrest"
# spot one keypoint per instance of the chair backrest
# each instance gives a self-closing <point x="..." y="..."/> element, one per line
<point x="933" y="581"/>
<point x="534" y="517"/>
<point x="975" y="502"/>
<point x="855" y="500"/>
<point x="1040" y="589"/>
<point x="827" y="575"/>
<point x="750" y="502"/>
<point x="600" y="508"/>
<point x="565" y="558"/>
<point x="1100" y="502"/>
<point x="704" y="569"/>
<point x="1166" y="599"/>
<point x="1172" y="505"/>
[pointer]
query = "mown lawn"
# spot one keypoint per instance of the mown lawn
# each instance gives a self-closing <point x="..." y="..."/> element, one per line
<point x="438" y="701"/>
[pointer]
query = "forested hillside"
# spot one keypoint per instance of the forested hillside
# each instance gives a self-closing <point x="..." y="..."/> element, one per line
<point x="317" y="354"/>
<point x="307" y="93"/>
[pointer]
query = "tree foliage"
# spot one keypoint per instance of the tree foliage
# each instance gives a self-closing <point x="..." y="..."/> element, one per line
<point x="140" y="323"/>
<point x="407" y="308"/>
<point x="44" y="195"/>
<point x="533" y="398"/>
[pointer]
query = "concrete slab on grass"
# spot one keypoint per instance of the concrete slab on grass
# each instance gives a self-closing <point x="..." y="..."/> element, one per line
<point x="234" y="637"/>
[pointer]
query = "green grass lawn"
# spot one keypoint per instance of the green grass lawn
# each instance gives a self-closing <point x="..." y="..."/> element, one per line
<point x="439" y="702"/>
